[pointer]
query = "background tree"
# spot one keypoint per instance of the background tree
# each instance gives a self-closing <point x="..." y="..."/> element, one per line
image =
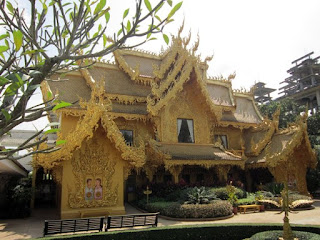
<point x="289" y="111"/>
<point x="58" y="36"/>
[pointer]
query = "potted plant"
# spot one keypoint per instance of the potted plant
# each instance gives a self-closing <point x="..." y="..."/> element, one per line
<point x="232" y="198"/>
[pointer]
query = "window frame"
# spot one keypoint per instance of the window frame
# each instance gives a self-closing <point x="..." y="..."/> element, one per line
<point x="128" y="130"/>
<point x="193" y="137"/>
<point x="219" y="136"/>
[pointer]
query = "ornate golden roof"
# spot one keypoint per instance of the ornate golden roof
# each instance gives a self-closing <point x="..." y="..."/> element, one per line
<point x="283" y="145"/>
<point x="140" y="78"/>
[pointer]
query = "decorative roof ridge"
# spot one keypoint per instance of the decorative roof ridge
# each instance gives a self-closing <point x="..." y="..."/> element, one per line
<point x="222" y="79"/>
<point x="126" y="99"/>
<point x="140" y="53"/>
<point x="242" y="92"/>
<point x="218" y="81"/>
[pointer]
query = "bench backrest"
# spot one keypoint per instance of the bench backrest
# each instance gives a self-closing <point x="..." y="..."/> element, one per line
<point x="72" y="225"/>
<point x="132" y="220"/>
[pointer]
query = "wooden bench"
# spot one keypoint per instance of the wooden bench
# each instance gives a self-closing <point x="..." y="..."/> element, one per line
<point x="244" y="208"/>
<point x="73" y="225"/>
<point x="132" y="220"/>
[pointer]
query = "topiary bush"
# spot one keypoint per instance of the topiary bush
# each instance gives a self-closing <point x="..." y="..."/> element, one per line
<point x="215" y="209"/>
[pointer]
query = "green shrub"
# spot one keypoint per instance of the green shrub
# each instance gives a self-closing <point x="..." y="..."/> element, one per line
<point x="200" y="196"/>
<point x="274" y="188"/>
<point x="217" y="208"/>
<point x="222" y="193"/>
<point x="274" y="235"/>
<point x="250" y="199"/>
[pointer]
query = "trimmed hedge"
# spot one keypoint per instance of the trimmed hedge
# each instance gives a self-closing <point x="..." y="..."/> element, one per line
<point x="274" y="235"/>
<point x="203" y="232"/>
<point x="215" y="209"/>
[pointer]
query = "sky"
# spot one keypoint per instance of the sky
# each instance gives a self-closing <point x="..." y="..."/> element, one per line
<point x="257" y="39"/>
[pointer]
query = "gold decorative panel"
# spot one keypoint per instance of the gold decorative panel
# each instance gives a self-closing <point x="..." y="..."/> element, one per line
<point x="92" y="161"/>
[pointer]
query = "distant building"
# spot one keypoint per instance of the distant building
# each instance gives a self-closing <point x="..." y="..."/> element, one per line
<point x="262" y="93"/>
<point x="303" y="84"/>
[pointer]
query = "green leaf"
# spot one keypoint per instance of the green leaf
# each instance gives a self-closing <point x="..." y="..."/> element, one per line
<point x="104" y="40"/>
<point x="45" y="8"/>
<point x="6" y="115"/>
<point x="62" y="104"/>
<point x="3" y="81"/>
<point x="148" y="35"/>
<point x="33" y="87"/>
<point x="119" y="32"/>
<point x="49" y="95"/>
<point x="10" y="7"/>
<point x="3" y="49"/>
<point x="128" y="25"/>
<point x="3" y="36"/>
<point x="169" y="2"/>
<point x="60" y="142"/>
<point x="152" y="39"/>
<point x="166" y="38"/>
<point x="30" y="52"/>
<point x="107" y="16"/>
<point x="126" y="12"/>
<point x="157" y="17"/>
<point x="148" y="5"/>
<point x="17" y="38"/>
<point x="174" y="9"/>
<point x="158" y="8"/>
<point x="54" y="130"/>
<point x="99" y="6"/>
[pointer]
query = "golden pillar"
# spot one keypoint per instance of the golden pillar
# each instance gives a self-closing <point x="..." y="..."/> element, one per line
<point x="223" y="171"/>
<point x="175" y="171"/>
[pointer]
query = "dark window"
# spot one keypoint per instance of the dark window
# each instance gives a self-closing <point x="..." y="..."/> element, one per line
<point x="186" y="178"/>
<point x="185" y="131"/>
<point x="167" y="178"/>
<point x="128" y="136"/>
<point x="200" y="178"/>
<point x="222" y="139"/>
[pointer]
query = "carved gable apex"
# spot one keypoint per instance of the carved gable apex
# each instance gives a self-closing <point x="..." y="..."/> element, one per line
<point x="178" y="67"/>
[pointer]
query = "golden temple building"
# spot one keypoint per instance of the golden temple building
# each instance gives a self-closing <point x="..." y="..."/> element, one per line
<point x="158" y="118"/>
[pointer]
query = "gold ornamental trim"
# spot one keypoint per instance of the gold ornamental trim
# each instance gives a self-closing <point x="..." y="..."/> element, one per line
<point x="204" y="163"/>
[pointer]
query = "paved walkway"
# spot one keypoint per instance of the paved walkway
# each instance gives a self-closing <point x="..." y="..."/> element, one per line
<point x="32" y="227"/>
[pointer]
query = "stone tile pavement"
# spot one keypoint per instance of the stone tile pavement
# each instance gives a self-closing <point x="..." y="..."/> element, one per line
<point x="32" y="227"/>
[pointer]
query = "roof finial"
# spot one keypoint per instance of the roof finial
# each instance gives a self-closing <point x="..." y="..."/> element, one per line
<point x="187" y="39"/>
<point x="196" y="45"/>
<point x="232" y="76"/>
<point x="181" y="29"/>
